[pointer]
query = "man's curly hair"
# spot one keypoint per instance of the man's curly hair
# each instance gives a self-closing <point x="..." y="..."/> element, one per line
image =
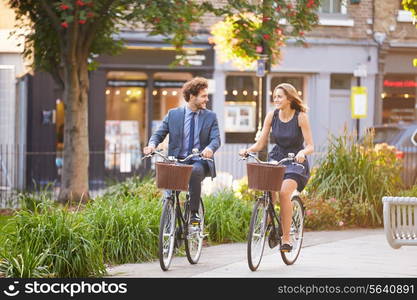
<point x="193" y="87"/>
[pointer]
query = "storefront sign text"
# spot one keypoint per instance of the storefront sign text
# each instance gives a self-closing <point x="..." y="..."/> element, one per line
<point x="400" y="84"/>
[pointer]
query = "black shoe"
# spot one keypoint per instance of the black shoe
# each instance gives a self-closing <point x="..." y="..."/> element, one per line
<point x="195" y="219"/>
<point x="286" y="248"/>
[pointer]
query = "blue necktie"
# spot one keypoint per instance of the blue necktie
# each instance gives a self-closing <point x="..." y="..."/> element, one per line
<point x="191" y="137"/>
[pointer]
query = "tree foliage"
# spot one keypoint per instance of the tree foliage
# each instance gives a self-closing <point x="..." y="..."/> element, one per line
<point x="262" y="28"/>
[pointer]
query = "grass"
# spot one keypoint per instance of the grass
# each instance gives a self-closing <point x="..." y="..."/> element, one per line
<point x="227" y="218"/>
<point x="5" y="228"/>
<point x="122" y="226"/>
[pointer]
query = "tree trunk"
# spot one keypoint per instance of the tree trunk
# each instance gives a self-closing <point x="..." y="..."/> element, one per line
<point x="74" y="180"/>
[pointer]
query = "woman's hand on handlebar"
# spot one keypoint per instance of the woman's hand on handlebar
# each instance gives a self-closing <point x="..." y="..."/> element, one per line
<point x="300" y="157"/>
<point x="243" y="152"/>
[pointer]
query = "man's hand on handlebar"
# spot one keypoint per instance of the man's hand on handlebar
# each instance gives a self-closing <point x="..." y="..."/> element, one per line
<point x="148" y="150"/>
<point x="207" y="153"/>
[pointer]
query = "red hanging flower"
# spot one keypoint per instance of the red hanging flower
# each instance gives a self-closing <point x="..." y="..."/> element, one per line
<point x="278" y="9"/>
<point x="64" y="24"/>
<point x="266" y="19"/>
<point x="63" y="6"/>
<point x="90" y="14"/>
<point x="266" y="36"/>
<point x="80" y="3"/>
<point x="310" y="3"/>
<point x="82" y="21"/>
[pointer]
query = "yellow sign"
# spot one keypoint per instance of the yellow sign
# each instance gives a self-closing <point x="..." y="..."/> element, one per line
<point x="359" y="102"/>
<point x="415" y="62"/>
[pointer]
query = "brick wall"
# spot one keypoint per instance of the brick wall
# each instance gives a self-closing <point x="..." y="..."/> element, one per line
<point x="359" y="13"/>
<point x="386" y="12"/>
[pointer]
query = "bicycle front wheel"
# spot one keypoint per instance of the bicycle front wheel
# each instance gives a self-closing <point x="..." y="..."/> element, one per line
<point x="167" y="233"/>
<point x="296" y="231"/>
<point x="194" y="236"/>
<point x="257" y="233"/>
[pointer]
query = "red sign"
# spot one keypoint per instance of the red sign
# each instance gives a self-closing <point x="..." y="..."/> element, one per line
<point x="400" y="84"/>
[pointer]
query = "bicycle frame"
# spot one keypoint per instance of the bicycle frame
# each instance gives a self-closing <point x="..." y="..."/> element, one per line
<point x="272" y="213"/>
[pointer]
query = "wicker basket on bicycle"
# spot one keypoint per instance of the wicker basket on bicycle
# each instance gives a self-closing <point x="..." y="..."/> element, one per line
<point x="265" y="177"/>
<point x="171" y="176"/>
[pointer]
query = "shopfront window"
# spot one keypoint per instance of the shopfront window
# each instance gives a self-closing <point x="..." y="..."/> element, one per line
<point x="399" y="99"/>
<point x="240" y="111"/>
<point x="125" y="120"/>
<point x="341" y="81"/>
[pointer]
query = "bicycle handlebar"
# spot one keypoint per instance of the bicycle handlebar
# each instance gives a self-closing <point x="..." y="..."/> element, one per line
<point x="174" y="159"/>
<point x="291" y="157"/>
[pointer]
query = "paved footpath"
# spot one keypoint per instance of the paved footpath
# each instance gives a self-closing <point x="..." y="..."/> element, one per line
<point x="345" y="253"/>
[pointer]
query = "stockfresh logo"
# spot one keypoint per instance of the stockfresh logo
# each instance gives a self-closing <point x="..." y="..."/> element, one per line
<point x="11" y="290"/>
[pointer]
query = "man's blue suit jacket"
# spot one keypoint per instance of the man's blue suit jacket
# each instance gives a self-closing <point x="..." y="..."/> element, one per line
<point x="173" y="124"/>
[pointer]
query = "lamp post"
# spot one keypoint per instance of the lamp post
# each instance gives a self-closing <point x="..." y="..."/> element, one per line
<point x="263" y="67"/>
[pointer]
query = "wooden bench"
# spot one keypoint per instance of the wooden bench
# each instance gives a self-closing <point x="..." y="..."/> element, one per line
<point x="400" y="221"/>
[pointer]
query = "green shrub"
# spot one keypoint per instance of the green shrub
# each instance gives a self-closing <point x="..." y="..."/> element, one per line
<point x="29" y="262"/>
<point x="122" y="226"/>
<point x="58" y="239"/>
<point x="321" y="213"/>
<point x="36" y="200"/>
<point x="227" y="217"/>
<point x="126" y="222"/>
<point x="358" y="176"/>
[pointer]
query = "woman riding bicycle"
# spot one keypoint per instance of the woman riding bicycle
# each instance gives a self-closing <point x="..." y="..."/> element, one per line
<point x="291" y="130"/>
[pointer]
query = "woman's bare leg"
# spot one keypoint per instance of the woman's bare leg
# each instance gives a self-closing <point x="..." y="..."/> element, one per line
<point x="287" y="188"/>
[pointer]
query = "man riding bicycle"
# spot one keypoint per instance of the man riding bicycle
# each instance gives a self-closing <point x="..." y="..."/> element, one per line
<point x="190" y="127"/>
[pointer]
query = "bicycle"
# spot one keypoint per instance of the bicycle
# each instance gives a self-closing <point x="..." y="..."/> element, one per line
<point x="174" y="227"/>
<point x="272" y="173"/>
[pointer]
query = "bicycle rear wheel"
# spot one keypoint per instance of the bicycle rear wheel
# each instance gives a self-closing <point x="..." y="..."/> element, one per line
<point x="194" y="236"/>
<point x="296" y="231"/>
<point x="167" y="233"/>
<point x="257" y="233"/>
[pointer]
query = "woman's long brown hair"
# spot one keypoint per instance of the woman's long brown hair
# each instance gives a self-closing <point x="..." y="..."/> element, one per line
<point x="291" y="92"/>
